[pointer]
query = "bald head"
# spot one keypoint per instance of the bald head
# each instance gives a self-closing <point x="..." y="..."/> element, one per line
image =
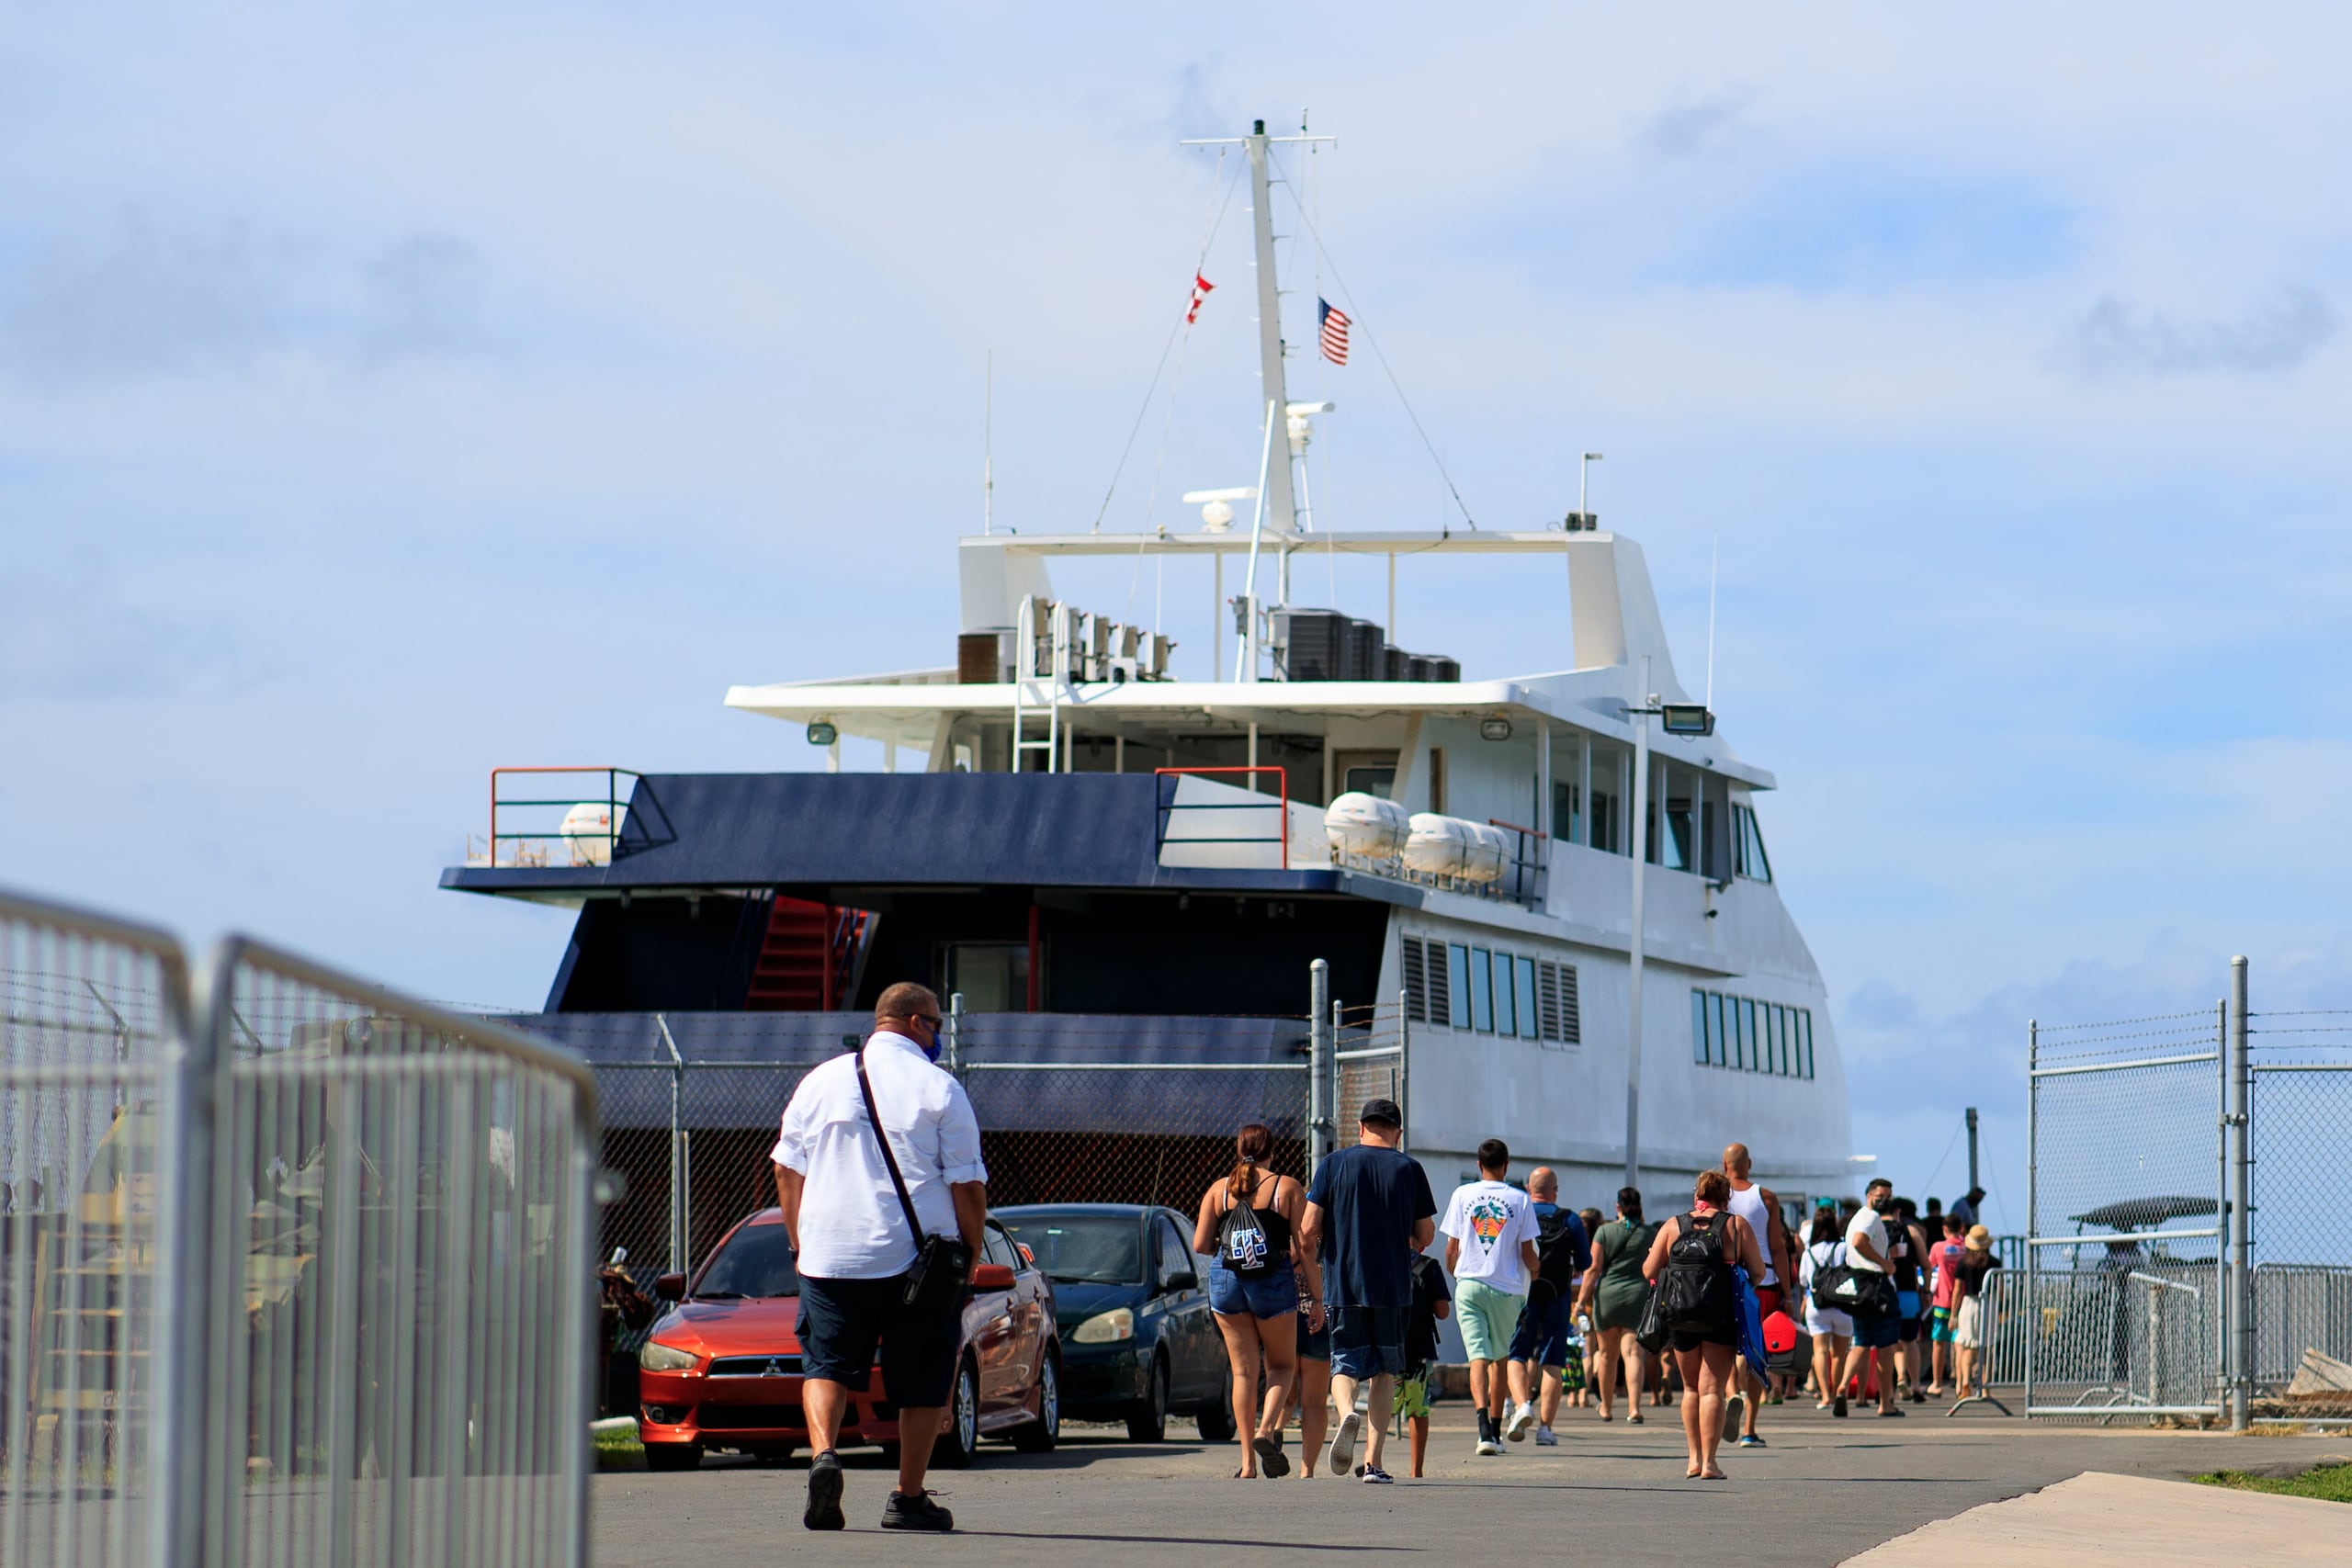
<point x="1735" y="1161"/>
<point x="905" y="1000"/>
<point x="1543" y="1184"/>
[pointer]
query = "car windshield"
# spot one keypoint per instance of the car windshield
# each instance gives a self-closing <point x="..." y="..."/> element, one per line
<point x="1082" y="1248"/>
<point x="756" y="1261"/>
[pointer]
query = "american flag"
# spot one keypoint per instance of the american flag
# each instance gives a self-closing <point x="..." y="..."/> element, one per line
<point x="1335" y="330"/>
<point x="1201" y="287"/>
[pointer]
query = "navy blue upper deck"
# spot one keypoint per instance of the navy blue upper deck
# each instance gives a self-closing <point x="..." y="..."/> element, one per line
<point x="817" y="831"/>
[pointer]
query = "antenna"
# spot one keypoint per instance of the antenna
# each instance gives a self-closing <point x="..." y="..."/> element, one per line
<point x="987" y="445"/>
<point x="1713" y="551"/>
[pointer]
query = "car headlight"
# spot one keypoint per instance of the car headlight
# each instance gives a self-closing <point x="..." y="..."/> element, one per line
<point x="657" y="1356"/>
<point x="1106" y="1327"/>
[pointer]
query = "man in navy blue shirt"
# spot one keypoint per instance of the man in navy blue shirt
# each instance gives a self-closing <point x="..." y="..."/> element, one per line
<point x="1543" y="1339"/>
<point x="1369" y="1210"/>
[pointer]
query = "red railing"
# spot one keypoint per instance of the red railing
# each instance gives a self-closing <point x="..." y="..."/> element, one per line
<point x="1281" y="801"/>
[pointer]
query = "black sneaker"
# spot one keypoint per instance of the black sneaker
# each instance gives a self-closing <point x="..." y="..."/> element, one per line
<point x="916" y="1513"/>
<point x="824" y="1510"/>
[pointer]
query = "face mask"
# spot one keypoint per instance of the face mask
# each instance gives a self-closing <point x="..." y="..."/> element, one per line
<point x="930" y="1052"/>
<point x="1882" y="1205"/>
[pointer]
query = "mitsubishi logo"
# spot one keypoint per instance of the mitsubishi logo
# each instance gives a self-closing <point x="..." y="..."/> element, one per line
<point x="775" y="1369"/>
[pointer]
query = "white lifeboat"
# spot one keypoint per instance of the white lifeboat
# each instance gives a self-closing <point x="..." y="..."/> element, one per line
<point x="1366" y="826"/>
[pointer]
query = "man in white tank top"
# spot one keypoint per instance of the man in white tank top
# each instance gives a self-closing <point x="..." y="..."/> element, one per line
<point x="1762" y="1210"/>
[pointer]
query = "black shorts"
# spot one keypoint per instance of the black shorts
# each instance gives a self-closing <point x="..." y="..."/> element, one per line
<point x="1727" y="1338"/>
<point x="841" y="1319"/>
<point x="1315" y="1344"/>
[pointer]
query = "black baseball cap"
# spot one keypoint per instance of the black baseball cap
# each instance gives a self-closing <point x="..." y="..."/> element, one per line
<point x="1381" y="1112"/>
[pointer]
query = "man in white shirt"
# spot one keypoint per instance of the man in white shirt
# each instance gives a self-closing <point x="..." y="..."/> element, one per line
<point x="1866" y="1252"/>
<point x="1490" y="1229"/>
<point x="853" y="1248"/>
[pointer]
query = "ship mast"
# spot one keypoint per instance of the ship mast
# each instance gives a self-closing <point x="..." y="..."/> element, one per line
<point x="1277" y="493"/>
<point x="1281" y="503"/>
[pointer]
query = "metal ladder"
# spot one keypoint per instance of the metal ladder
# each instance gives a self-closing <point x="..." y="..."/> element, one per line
<point x="1033" y="689"/>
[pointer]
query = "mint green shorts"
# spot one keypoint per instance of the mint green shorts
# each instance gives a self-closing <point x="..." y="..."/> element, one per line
<point x="1487" y="1316"/>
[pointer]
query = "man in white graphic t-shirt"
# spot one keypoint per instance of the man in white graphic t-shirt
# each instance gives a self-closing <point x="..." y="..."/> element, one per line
<point x="1490" y="1230"/>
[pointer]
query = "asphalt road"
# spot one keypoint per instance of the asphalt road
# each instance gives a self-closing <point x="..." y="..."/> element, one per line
<point x="1823" y="1491"/>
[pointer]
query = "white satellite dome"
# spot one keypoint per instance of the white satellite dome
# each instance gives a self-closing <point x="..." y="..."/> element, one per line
<point x="589" y="829"/>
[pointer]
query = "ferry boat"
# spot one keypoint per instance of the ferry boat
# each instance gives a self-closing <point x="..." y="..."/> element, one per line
<point x="1533" y="870"/>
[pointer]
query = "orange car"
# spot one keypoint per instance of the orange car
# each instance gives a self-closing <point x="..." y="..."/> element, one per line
<point x="722" y="1368"/>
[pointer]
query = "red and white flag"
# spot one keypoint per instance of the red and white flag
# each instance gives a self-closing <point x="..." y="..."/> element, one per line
<point x="1201" y="287"/>
<point x="1335" y="330"/>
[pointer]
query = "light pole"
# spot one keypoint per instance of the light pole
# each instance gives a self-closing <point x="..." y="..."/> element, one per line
<point x="1584" y="475"/>
<point x="1681" y="719"/>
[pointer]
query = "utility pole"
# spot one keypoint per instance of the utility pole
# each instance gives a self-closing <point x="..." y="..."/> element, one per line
<point x="1973" y="1183"/>
<point x="1641" y="718"/>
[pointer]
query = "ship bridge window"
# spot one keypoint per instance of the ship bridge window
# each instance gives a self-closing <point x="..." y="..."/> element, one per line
<point x="1481" y="990"/>
<point x="1748" y="1036"/>
<point x="1606" y="832"/>
<point x="1748" y="846"/>
<point x="1679" y="838"/>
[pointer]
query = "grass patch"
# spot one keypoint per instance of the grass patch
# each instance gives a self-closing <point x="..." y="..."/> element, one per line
<point x="617" y="1448"/>
<point x="2329" y="1483"/>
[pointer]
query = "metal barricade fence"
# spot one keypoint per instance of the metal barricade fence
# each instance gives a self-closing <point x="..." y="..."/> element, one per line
<point x="95" y="1011"/>
<point x="291" y="1269"/>
<point x="2125" y="1310"/>
<point x="398" y="1242"/>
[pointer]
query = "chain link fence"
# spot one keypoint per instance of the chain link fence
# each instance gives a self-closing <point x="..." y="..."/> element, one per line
<point x="292" y="1269"/>
<point x="2188" y="1252"/>
<point x="1073" y="1108"/>
<point x="2299" y="1094"/>
<point x="1369" y="1061"/>
<point x="2121" y="1303"/>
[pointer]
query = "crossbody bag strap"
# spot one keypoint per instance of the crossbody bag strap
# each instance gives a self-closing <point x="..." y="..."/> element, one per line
<point x="865" y="1087"/>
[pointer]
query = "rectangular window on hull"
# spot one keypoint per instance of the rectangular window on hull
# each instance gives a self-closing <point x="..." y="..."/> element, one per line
<point x="1748" y="1036"/>
<point x="1458" y="986"/>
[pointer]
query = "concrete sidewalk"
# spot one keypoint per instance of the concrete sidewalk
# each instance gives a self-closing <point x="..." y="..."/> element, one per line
<point x="2097" y="1518"/>
<point x="1824" y="1491"/>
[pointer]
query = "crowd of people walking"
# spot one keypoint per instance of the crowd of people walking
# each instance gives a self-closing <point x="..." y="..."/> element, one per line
<point x="1329" y="1295"/>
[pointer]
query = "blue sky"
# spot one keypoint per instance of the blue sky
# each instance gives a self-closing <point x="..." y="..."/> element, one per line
<point x="383" y="399"/>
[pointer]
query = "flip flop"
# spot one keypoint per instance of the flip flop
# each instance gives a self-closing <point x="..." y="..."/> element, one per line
<point x="1271" y="1460"/>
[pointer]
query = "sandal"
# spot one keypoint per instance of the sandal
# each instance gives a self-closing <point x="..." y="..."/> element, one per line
<point x="1269" y="1456"/>
<point x="1635" y="1418"/>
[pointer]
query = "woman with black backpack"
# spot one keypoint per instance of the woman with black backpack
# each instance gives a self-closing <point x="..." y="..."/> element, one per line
<point x="1249" y="1226"/>
<point x="1690" y="1267"/>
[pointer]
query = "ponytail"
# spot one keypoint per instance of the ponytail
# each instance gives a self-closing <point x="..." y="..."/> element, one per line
<point x="1250" y="1146"/>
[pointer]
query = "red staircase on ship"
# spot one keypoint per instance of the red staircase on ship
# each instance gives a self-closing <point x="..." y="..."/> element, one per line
<point x="808" y="958"/>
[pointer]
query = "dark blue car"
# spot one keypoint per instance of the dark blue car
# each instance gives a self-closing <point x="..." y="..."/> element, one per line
<point x="1132" y="1299"/>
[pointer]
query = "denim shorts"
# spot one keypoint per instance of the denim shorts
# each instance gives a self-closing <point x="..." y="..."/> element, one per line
<point x="841" y="1319"/>
<point x="1367" y="1341"/>
<point x="1256" y="1295"/>
<point x="1315" y="1344"/>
